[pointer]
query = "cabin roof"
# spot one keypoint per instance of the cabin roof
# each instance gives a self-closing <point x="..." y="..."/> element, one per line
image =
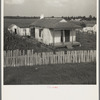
<point x="54" y="23"/>
<point x="67" y="25"/>
<point x="21" y="23"/>
<point x="46" y="22"/>
<point x="18" y="25"/>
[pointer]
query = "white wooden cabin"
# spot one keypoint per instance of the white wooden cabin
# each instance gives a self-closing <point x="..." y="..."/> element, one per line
<point x="19" y="30"/>
<point x="54" y="31"/>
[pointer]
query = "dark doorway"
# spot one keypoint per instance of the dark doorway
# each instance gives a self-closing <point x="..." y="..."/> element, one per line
<point x="33" y="32"/>
<point x="25" y="32"/>
<point x="67" y="35"/>
<point x="15" y="31"/>
<point x="61" y="35"/>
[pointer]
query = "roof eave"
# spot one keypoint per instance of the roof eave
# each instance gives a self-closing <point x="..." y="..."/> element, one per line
<point x="67" y="28"/>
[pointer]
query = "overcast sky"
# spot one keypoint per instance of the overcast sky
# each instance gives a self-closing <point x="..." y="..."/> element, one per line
<point x="50" y="7"/>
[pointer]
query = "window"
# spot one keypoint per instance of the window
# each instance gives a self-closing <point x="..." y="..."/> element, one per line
<point x="40" y="30"/>
<point x="61" y="35"/>
<point x="32" y="31"/>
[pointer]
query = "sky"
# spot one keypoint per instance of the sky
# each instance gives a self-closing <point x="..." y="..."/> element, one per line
<point x="55" y="8"/>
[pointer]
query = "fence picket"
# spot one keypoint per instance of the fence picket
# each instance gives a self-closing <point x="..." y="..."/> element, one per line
<point x="5" y="59"/>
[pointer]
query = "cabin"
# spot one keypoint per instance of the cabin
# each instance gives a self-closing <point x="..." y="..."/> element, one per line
<point x="90" y="28"/>
<point x="55" y="31"/>
<point x="13" y="29"/>
<point x="19" y="30"/>
<point x="95" y="28"/>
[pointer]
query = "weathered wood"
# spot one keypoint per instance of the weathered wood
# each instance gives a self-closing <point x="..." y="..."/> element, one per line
<point x="19" y="58"/>
<point x="5" y="59"/>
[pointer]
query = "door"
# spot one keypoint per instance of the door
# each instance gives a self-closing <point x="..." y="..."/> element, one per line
<point x="67" y="35"/>
<point x="15" y="31"/>
<point x="33" y="32"/>
<point x="61" y="36"/>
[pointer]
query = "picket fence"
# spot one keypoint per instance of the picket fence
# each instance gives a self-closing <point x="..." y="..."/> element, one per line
<point x="29" y="58"/>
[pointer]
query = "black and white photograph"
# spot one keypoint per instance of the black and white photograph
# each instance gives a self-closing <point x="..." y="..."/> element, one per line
<point x="50" y="42"/>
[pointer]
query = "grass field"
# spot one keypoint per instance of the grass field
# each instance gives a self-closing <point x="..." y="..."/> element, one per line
<point x="83" y="73"/>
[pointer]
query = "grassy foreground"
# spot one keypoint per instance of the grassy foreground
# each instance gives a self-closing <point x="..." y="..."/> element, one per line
<point x="83" y="73"/>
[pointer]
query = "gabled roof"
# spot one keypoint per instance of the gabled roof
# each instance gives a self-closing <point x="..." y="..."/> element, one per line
<point x="46" y="22"/>
<point x="11" y="26"/>
<point x="66" y="25"/>
<point x="55" y="23"/>
<point x="18" y="25"/>
<point x="24" y="23"/>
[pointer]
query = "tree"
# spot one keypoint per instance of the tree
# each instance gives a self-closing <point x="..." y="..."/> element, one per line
<point x="90" y="17"/>
<point x="94" y="18"/>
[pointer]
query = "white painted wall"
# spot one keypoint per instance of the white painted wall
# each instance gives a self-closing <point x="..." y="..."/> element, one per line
<point x="12" y="29"/>
<point x="63" y="36"/>
<point x="72" y="36"/>
<point x="95" y="28"/>
<point x="47" y="36"/>
<point x="57" y="36"/>
<point x="37" y="33"/>
<point x="20" y="31"/>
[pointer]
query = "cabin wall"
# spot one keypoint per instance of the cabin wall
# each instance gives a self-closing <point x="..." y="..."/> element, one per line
<point x="72" y="36"/>
<point x="20" y="31"/>
<point x="46" y="35"/>
<point x="24" y="32"/>
<point x="57" y="36"/>
<point x="12" y="29"/>
<point x="49" y="36"/>
<point x="37" y="34"/>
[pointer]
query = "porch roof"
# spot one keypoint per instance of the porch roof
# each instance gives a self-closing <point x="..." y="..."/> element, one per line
<point x="68" y="25"/>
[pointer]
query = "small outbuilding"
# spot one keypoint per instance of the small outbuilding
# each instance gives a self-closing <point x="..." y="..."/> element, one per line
<point x="95" y="28"/>
<point x="90" y="28"/>
<point x="19" y="30"/>
<point x="55" y="31"/>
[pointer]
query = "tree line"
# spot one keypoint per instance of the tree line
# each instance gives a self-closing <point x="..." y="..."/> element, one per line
<point x="90" y="17"/>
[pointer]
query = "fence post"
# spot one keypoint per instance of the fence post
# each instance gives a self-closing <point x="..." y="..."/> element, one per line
<point x="68" y="57"/>
<point x="11" y="57"/>
<point x="63" y="57"/>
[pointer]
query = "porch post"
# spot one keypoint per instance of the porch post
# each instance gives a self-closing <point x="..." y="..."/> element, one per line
<point x="72" y="36"/>
<point x="53" y="37"/>
<point x="63" y="36"/>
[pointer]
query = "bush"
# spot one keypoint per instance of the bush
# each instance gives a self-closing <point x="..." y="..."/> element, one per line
<point x="82" y="24"/>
